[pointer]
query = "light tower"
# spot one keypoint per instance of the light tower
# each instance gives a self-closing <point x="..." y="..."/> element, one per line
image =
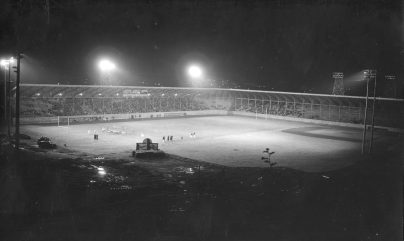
<point x="391" y="86"/>
<point x="338" y="88"/>
<point x="369" y="74"/>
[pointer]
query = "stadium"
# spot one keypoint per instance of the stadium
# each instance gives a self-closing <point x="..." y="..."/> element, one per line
<point x="238" y="165"/>
<point x="199" y="120"/>
<point x="233" y="126"/>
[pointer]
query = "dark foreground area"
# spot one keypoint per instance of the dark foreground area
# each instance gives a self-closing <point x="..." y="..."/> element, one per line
<point x="47" y="196"/>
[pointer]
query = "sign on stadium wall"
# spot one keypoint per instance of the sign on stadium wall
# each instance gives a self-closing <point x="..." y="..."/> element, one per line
<point x="135" y="93"/>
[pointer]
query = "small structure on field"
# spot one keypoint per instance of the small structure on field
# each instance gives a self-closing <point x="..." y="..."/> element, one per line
<point x="147" y="149"/>
<point x="46" y="143"/>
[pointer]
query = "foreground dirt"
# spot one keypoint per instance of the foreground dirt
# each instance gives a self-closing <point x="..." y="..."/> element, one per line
<point x="65" y="195"/>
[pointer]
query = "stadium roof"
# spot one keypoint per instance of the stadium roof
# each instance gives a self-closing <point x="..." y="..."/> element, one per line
<point x="102" y="91"/>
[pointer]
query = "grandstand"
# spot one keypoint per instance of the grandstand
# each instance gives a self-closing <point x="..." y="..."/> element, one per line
<point x="42" y="103"/>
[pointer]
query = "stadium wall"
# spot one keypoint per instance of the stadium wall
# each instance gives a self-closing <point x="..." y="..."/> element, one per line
<point x="65" y="120"/>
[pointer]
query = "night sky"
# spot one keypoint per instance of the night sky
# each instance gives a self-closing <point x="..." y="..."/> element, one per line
<point x="282" y="45"/>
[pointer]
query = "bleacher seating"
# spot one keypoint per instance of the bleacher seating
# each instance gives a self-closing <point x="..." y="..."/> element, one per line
<point x="67" y="100"/>
<point x="31" y="107"/>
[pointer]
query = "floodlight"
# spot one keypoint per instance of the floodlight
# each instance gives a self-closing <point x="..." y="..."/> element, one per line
<point x="6" y="62"/>
<point x="106" y="65"/>
<point x="3" y="62"/>
<point x="195" y="71"/>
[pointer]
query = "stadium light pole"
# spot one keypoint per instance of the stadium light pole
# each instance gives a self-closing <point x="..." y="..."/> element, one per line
<point x="106" y="66"/>
<point x="17" y="102"/>
<point x="5" y="63"/>
<point x="366" y="110"/>
<point x="9" y="98"/>
<point x="7" y="86"/>
<point x="373" y="74"/>
<point x="369" y="74"/>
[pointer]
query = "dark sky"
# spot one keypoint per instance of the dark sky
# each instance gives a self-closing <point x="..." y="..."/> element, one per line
<point x="286" y="45"/>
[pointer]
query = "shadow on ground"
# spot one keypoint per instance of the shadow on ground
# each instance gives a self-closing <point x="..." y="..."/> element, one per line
<point x="46" y="197"/>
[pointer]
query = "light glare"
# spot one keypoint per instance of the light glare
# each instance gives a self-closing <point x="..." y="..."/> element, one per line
<point x="195" y="71"/>
<point x="106" y="65"/>
<point x="101" y="171"/>
<point x="6" y="62"/>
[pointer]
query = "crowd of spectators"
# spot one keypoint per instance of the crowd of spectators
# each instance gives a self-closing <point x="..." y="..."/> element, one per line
<point x="386" y="114"/>
<point x="275" y="108"/>
<point x="40" y="107"/>
<point x="304" y="110"/>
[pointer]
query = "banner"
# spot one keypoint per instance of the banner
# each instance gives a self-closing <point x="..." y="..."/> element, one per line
<point x="135" y="93"/>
